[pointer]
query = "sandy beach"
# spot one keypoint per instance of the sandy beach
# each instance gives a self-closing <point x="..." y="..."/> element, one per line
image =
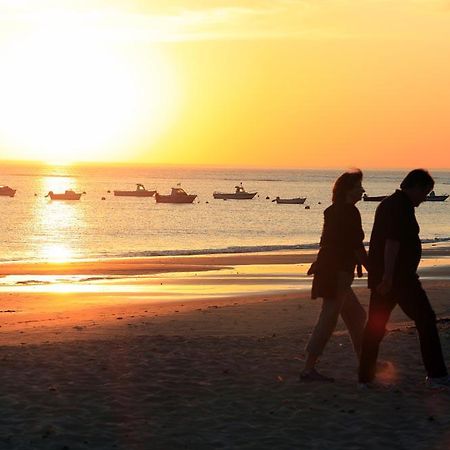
<point x="202" y="352"/>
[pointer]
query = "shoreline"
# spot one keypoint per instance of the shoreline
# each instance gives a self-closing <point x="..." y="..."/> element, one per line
<point x="102" y="299"/>
<point x="179" y="263"/>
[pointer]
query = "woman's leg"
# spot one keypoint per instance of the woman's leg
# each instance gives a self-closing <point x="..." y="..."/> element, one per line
<point x="354" y="317"/>
<point x="331" y="308"/>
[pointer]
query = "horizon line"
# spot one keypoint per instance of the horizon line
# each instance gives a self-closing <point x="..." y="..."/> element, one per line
<point x="200" y="166"/>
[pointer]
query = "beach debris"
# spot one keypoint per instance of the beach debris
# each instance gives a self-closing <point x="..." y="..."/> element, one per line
<point x="119" y="318"/>
<point x="267" y="198"/>
<point x="307" y="207"/>
<point x="103" y="198"/>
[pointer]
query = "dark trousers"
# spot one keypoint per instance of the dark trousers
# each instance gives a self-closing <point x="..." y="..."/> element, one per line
<point x="414" y="302"/>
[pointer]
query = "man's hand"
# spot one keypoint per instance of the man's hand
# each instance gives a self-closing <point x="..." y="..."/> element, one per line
<point x="385" y="286"/>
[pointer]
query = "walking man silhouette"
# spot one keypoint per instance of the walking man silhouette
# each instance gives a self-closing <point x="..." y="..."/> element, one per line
<point x="394" y="255"/>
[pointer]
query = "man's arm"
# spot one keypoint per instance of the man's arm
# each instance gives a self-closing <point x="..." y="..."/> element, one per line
<point x="391" y="249"/>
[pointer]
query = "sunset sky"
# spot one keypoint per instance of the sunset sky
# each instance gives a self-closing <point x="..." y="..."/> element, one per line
<point x="279" y="83"/>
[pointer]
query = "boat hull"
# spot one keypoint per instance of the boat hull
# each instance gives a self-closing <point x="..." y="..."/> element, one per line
<point x="7" y="192"/>
<point x="134" y="193"/>
<point x="437" y="198"/>
<point x="290" y="201"/>
<point x="377" y="198"/>
<point x="65" y="197"/>
<point x="234" y="196"/>
<point x="174" y="199"/>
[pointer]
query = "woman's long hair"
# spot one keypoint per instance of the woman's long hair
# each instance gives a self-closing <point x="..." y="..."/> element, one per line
<point x="346" y="182"/>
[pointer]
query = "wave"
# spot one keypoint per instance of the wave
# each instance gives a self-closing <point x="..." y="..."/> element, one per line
<point x="244" y="249"/>
<point x="217" y="251"/>
<point x="434" y="240"/>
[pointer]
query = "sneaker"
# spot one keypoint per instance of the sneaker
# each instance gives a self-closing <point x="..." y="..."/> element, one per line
<point x="313" y="375"/>
<point x="438" y="382"/>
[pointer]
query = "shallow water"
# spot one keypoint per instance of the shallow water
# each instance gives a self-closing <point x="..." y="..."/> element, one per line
<point x="33" y="227"/>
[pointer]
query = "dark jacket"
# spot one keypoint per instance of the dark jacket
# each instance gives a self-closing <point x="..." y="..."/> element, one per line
<point x="342" y="234"/>
<point x="395" y="220"/>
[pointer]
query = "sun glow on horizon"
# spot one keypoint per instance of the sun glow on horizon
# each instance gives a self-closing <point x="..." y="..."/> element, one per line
<point x="67" y="96"/>
<point x="268" y="84"/>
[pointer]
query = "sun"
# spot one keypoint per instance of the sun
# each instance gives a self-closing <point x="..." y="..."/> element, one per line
<point x="68" y="96"/>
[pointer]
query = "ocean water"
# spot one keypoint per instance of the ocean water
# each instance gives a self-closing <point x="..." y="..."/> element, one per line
<point x="35" y="228"/>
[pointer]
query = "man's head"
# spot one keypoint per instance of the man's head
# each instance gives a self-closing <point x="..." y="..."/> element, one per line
<point x="417" y="185"/>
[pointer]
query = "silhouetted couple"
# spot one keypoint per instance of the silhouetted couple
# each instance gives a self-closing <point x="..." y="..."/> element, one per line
<point x="394" y="255"/>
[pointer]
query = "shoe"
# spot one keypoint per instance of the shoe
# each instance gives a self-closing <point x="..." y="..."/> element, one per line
<point x="438" y="382"/>
<point x="313" y="375"/>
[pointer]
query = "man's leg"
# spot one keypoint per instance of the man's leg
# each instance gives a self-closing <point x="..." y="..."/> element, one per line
<point x="415" y="303"/>
<point x="380" y="309"/>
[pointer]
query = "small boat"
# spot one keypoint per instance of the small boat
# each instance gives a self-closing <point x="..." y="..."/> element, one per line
<point x="432" y="197"/>
<point x="140" y="191"/>
<point x="177" y="195"/>
<point x="376" y="198"/>
<point x="68" y="195"/>
<point x="290" y="201"/>
<point x="239" y="194"/>
<point x="6" y="191"/>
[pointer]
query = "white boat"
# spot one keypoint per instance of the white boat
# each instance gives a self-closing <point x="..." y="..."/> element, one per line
<point x="290" y="201"/>
<point x="177" y="195"/>
<point x="140" y="191"/>
<point x="374" y="198"/>
<point x="68" y="195"/>
<point x="6" y="191"/>
<point x="239" y="194"/>
<point x="432" y="197"/>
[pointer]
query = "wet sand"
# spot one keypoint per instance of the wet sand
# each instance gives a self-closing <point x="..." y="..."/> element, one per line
<point x="207" y="359"/>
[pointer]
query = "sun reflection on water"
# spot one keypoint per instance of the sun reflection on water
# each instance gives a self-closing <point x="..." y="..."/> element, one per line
<point x="58" y="223"/>
<point x="56" y="253"/>
<point x="58" y="184"/>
